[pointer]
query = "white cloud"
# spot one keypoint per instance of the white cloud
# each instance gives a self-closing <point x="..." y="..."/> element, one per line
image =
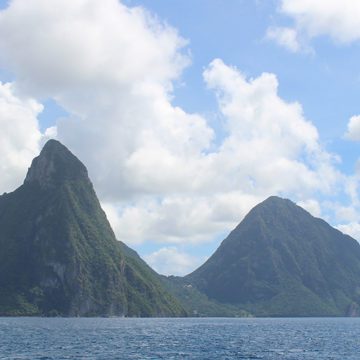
<point x="271" y="147"/>
<point x="337" y="19"/>
<point x="312" y="206"/>
<point x="346" y="213"/>
<point x="50" y="133"/>
<point x="340" y="20"/>
<point x="171" y="261"/>
<point x="352" y="229"/>
<point x="284" y="36"/>
<point x="79" y="43"/>
<point x="179" y="219"/>
<point x="112" y="68"/>
<point x="158" y="172"/>
<point x="19" y="136"/>
<point x="353" y="128"/>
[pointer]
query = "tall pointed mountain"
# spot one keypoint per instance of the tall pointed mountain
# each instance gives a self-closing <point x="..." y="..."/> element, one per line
<point x="59" y="255"/>
<point x="281" y="261"/>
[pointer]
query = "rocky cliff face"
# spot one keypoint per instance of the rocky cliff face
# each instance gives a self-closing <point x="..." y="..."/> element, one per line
<point x="59" y="255"/>
<point x="54" y="166"/>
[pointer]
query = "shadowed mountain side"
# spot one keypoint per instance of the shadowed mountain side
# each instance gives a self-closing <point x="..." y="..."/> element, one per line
<point x="197" y="303"/>
<point x="59" y="255"/>
<point x="281" y="261"/>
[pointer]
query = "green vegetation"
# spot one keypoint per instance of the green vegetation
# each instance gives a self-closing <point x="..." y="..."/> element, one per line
<point x="197" y="303"/>
<point x="281" y="261"/>
<point x="59" y="255"/>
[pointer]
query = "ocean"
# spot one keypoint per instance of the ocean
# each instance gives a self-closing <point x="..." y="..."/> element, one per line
<point x="193" y="338"/>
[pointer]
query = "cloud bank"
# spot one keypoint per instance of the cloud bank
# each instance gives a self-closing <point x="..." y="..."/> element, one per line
<point x="163" y="175"/>
<point x="339" y="20"/>
<point x="353" y="128"/>
<point x="169" y="261"/>
<point x="19" y="136"/>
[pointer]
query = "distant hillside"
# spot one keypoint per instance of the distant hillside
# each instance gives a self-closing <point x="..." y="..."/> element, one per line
<point x="197" y="303"/>
<point x="281" y="261"/>
<point x="59" y="255"/>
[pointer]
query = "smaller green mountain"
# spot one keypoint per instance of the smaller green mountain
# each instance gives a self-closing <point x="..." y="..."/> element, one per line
<point x="196" y="303"/>
<point x="281" y="261"/>
<point x="59" y="255"/>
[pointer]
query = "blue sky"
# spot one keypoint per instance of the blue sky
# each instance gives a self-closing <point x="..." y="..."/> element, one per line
<point x="147" y="161"/>
<point x="326" y="83"/>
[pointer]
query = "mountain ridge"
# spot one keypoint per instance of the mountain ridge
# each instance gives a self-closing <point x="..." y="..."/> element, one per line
<point x="59" y="254"/>
<point x="282" y="261"/>
<point x="60" y="257"/>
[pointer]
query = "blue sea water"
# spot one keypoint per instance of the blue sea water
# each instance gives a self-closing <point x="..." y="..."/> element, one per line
<point x="121" y="338"/>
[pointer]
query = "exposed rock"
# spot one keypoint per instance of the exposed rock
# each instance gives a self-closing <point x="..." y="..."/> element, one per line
<point x="59" y="255"/>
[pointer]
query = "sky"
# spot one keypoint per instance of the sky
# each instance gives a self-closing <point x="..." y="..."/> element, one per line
<point x="187" y="114"/>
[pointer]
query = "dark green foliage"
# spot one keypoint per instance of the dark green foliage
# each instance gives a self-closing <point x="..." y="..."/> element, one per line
<point x="151" y="285"/>
<point x="281" y="261"/>
<point x="59" y="255"/>
<point x="197" y="303"/>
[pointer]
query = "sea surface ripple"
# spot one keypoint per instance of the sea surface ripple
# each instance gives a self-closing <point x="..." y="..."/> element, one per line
<point x="212" y="338"/>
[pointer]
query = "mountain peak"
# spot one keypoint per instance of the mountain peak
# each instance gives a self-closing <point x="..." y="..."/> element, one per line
<point x="59" y="255"/>
<point x="54" y="165"/>
<point x="274" y="198"/>
<point x="282" y="261"/>
<point x="53" y="145"/>
<point x="275" y="206"/>
<point x="276" y="201"/>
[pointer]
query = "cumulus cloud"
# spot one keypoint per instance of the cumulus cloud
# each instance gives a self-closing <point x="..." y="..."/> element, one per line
<point x="270" y="148"/>
<point x="112" y="68"/>
<point x="171" y="261"/>
<point x="188" y="218"/>
<point x="312" y="206"/>
<point x="79" y="43"/>
<point x="158" y="170"/>
<point x="353" y="128"/>
<point x="19" y="136"/>
<point x="337" y="19"/>
<point x="346" y="213"/>
<point x="352" y="229"/>
<point x="284" y="36"/>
